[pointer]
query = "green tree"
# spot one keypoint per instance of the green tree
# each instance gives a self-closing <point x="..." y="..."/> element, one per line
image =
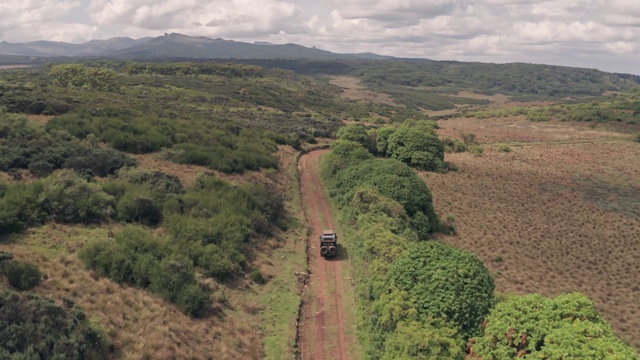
<point x="418" y="147"/>
<point x="391" y="178"/>
<point x="415" y="340"/>
<point x="534" y="326"/>
<point x="344" y="154"/>
<point x="382" y="139"/>
<point x="445" y="283"/>
<point x="357" y="133"/>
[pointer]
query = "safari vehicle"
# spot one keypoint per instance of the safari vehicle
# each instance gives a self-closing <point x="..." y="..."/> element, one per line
<point x="328" y="243"/>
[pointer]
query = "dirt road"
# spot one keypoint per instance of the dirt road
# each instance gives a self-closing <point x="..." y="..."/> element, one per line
<point x="323" y="332"/>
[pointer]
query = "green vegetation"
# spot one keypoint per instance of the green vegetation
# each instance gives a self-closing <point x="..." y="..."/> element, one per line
<point x="63" y="197"/>
<point x="392" y="179"/>
<point x="418" y="147"/>
<point x="442" y="283"/>
<point x="32" y="327"/>
<point x="525" y="81"/>
<point x="534" y="326"/>
<point x="21" y="275"/>
<point x="623" y="108"/>
<point x="390" y="208"/>
<point x="210" y="229"/>
<point x="137" y="257"/>
<point x="24" y="145"/>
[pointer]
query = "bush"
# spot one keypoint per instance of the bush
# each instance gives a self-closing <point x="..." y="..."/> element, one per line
<point x="154" y="179"/>
<point x="256" y="277"/>
<point x="32" y="327"/>
<point x="140" y="209"/>
<point x="445" y="283"/>
<point x="469" y="138"/>
<point x="344" y="154"/>
<point x="416" y="147"/>
<point x="20" y="206"/>
<point x="71" y="199"/>
<point x="382" y="139"/>
<point x="22" y="275"/>
<point x="356" y="133"/>
<point x="139" y="258"/>
<point x="567" y="326"/>
<point x="637" y="138"/>
<point x="98" y="161"/>
<point x="391" y="178"/>
<point x="414" y="340"/>
<point x="454" y="146"/>
<point x="504" y="148"/>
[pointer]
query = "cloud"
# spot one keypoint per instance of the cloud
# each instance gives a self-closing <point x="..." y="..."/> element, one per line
<point x="603" y="33"/>
<point x="213" y="18"/>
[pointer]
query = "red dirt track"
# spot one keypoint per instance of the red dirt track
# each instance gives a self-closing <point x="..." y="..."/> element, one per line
<point x="322" y="326"/>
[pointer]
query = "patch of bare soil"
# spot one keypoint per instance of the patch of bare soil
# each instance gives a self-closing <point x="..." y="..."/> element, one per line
<point x="352" y="90"/>
<point x="324" y="332"/>
<point x="40" y="119"/>
<point x="558" y="213"/>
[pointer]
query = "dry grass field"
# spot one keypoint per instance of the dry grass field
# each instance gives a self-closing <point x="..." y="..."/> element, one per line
<point x="558" y="213"/>
<point x="352" y="90"/>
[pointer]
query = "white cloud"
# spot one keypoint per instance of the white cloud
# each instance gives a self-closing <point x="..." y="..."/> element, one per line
<point x="602" y="33"/>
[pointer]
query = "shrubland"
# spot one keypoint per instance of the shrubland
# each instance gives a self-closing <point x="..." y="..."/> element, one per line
<point x="621" y="108"/>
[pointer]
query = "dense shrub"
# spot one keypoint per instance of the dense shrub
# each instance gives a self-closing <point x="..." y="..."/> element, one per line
<point x="217" y="146"/>
<point x="415" y="340"/>
<point x="32" y="327"/>
<point x="382" y="139"/>
<point x="21" y="275"/>
<point x="24" y="145"/>
<point x="139" y="208"/>
<point x="417" y="147"/>
<point x="67" y="198"/>
<point x="345" y="153"/>
<point x="533" y="326"/>
<point x="20" y="206"/>
<point x="453" y="146"/>
<point x="393" y="179"/>
<point x="444" y="283"/>
<point x="154" y="179"/>
<point x="356" y="133"/>
<point x="137" y="257"/>
<point x="98" y="161"/>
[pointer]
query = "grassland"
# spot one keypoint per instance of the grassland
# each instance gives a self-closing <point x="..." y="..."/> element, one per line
<point x="556" y="211"/>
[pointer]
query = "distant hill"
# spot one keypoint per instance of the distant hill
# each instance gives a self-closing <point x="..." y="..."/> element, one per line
<point x="54" y="48"/>
<point x="174" y="46"/>
<point x="188" y="47"/>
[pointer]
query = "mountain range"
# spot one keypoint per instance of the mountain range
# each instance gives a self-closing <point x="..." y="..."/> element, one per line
<point x="169" y="46"/>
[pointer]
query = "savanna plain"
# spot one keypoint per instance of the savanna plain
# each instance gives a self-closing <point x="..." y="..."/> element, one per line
<point x="550" y="208"/>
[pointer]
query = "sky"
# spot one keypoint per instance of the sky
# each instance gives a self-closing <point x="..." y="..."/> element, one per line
<point x="601" y="34"/>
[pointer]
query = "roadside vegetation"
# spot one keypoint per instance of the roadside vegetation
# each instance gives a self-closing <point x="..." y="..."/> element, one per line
<point x="420" y="298"/>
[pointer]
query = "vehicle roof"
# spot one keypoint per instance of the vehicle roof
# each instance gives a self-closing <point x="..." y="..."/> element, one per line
<point x="328" y="232"/>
